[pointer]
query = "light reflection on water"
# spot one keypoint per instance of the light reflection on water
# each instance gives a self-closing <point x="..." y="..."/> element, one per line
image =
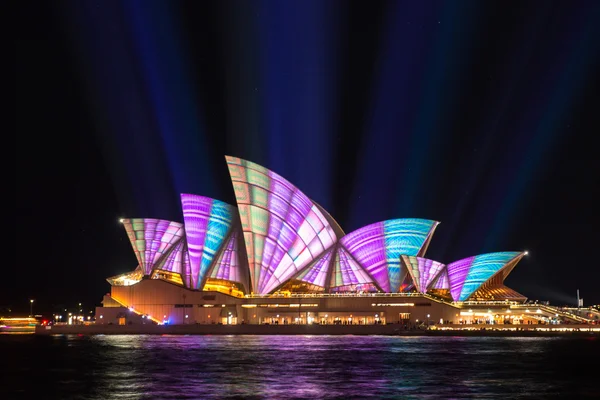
<point x="315" y="367"/>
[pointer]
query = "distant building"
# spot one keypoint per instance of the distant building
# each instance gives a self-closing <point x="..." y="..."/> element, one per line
<point x="280" y="258"/>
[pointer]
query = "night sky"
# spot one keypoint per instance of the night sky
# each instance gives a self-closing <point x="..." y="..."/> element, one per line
<point x="482" y="115"/>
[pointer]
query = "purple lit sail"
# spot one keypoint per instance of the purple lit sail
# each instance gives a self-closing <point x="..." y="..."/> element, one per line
<point x="469" y="274"/>
<point x="288" y="236"/>
<point x="422" y="271"/>
<point x="151" y="239"/>
<point x="229" y="266"/>
<point x="441" y="281"/>
<point x="172" y="262"/>
<point x="378" y="247"/>
<point x="347" y="272"/>
<point x="317" y="273"/>
<point x="186" y="267"/>
<point x="207" y="224"/>
<point x="284" y="230"/>
<point x="177" y="261"/>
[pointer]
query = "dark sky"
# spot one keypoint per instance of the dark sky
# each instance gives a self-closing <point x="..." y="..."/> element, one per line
<point x="481" y="115"/>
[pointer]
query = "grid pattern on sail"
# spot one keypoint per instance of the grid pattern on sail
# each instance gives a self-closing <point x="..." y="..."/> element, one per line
<point x="207" y="224"/>
<point x="151" y="239"/>
<point x="467" y="275"/>
<point x="378" y="247"/>
<point x="284" y="231"/>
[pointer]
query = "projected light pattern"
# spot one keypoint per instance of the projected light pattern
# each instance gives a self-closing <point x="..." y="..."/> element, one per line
<point x="317" y="273"/>
<point x="441" y="281"/>
<point x="228" y="266"/>
<point x="177" y="261"/>
<point x="172" y="261"/>
<point x="207" y="223"/>
<point x="377" y="247"/>
<point x="422" y="271"/>
<point x="283" y="230"/>
<point x="151" y="239"/>
<point x="287" y="236"/>
<point x="346" y="271"/>
<point x="468" y="274"/>
<point x="186" y="267"/>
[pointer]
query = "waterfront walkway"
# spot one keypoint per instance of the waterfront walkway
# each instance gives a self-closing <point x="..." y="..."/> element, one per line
<point x="391" y="329"/>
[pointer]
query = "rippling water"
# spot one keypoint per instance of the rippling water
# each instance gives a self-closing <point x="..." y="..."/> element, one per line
<point x="313" y="367"/>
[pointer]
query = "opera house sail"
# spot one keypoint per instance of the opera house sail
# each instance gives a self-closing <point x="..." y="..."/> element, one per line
<point x="276" y="243"/>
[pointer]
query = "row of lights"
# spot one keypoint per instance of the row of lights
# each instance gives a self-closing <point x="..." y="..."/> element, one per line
<point x="509" y="312"/>
<point x="326" y="315"/>
<point x="31" y="301"/>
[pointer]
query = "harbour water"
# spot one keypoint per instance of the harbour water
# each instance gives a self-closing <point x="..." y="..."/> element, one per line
<point x="302" y="367"/>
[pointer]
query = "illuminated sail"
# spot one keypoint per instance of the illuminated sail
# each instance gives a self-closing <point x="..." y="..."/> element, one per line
<point x="151" y="239"/>
<point x="468" y="274"/>
<point x="422" y="271"/>
<point x="207" y="224"/>
<point x="284" y="231"/>
<point x="378" y="247"/>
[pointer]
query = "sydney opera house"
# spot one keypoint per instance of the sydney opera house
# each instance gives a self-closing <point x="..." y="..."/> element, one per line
<point x="279" y="258"/>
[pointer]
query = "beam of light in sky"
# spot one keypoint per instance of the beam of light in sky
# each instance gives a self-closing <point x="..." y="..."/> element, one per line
<point x="446" y="59"/>
<point x="397" y="76"/>
<point x="567" y="74"/>
<point x="298" y="40"/>
<point x="466" y="228"/>
<point x="176" y="109"/>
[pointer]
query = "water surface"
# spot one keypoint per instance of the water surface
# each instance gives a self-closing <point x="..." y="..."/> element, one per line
<point x="313" y="367"/>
